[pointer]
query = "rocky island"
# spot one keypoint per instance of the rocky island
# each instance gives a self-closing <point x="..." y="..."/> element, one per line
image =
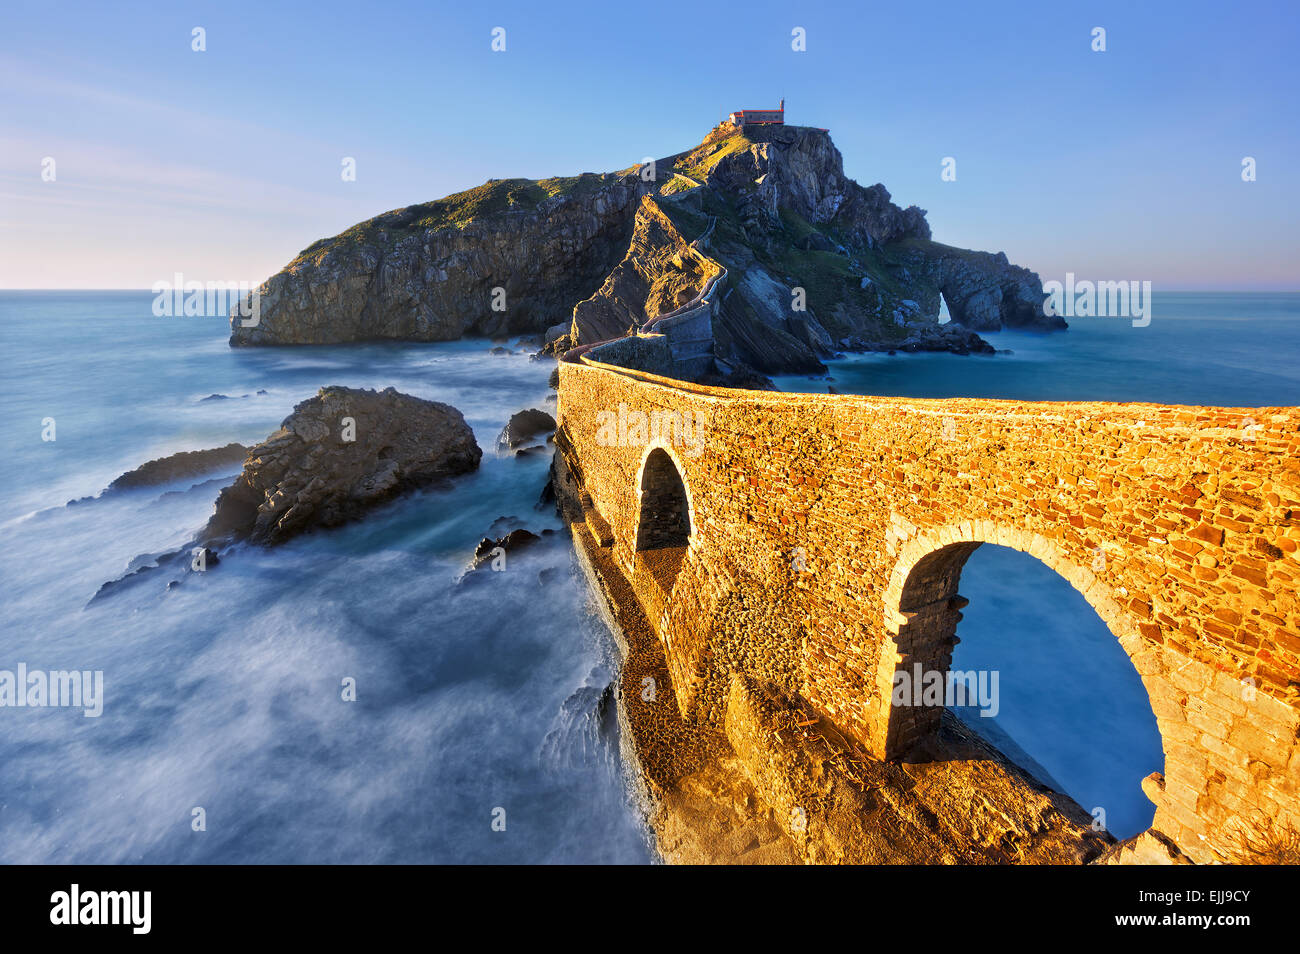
<point x="799" y="263"/>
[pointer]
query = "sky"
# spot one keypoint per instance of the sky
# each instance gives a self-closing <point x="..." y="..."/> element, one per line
<point x="222" y="164"/>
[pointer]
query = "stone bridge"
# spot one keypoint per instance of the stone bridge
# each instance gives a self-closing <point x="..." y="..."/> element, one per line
<point x="816" y="542"/>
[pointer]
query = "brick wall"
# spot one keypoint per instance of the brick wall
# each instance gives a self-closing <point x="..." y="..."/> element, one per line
<point x="828" y="535"/>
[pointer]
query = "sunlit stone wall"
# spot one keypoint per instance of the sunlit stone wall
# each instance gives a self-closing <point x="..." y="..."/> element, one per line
<point x="828" y="533"/>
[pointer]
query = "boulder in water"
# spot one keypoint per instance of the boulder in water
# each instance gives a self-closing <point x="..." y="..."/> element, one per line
<point x="336" y="456"/>
<point x="525" y="425"/>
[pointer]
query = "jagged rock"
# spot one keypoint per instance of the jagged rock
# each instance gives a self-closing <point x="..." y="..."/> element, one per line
<point x="799" y="169"/>
<point x="177" y="466"/>
<point x="489" y="549"/>
<point x="524" y="425"/>
<point x="145" y="568"/>
<point x="307" y="474"/>
<point x="755" y="330"/>
<point x="983" y="290"/>
<point x="788" y="187"/>
<point x="660" y="273"/>
<point x="516" y="539"/>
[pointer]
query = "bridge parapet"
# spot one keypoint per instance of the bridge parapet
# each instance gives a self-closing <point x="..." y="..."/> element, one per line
<point x="828" y="534"/>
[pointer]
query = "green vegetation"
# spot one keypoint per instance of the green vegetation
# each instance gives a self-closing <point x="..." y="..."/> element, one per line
<point x="699" y="163"/>
<point x="677" y="184"/>
<point x="457" y="211"/>
<point x="797" y="227"/>
<point x="686" y="220"/>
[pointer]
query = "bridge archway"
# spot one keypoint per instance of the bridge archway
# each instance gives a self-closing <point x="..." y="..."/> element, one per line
<point x="665" y="517"/>
<point x="923" y="608"/>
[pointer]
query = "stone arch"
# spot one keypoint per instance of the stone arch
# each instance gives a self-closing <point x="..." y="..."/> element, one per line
<point x="923" y="608"/>
<point x="665" y="509"/>
<point x="665" y="516"/>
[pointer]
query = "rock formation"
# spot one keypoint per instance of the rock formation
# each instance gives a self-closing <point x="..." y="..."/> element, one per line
<point x="524" y="425"/>
<point x="983" y="290"/>
<point x="813" y="262"/>
<point x="799" y="170"/>
<point x="336" y="456"/>
<point x="660" y="272"/>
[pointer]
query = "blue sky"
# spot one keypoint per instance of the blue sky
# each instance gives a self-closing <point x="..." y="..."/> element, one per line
<point x="224" y="164"/>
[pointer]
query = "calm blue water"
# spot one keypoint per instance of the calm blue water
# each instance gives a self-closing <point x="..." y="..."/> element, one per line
<point x="225" y="693"/>
<point x="1234" y="350"/>
<point x="1070" y="698"/>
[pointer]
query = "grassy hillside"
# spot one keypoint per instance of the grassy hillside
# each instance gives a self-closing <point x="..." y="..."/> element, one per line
<point x="699" y="162"/>
<point x="458" y="210"/>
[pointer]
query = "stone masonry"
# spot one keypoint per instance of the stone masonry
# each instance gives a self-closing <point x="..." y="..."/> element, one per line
<point x="827" y="534"/>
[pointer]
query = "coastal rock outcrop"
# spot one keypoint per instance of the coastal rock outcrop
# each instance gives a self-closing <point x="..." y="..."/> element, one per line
<point x="523" y="425"/>
<point x="336" y="456"/>
<point x="798" y="169"/>
<point x="984" y="291"/>
<point x="512" y="542"/>
<point x="950" y="337"/>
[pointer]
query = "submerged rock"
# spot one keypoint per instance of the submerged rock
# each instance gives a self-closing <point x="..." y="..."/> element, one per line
<point x="514" y="540"/>
<point x="490" y="553"/>
<point x="336" y="456"/>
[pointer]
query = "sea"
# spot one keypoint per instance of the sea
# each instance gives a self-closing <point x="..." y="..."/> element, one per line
<point x="352" y="697"/>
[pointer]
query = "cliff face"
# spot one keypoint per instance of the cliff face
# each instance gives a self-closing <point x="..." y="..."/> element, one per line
<point x="660" y="272"/>
<point x="865" y="272"/>
<point x="798" y="169"/>
<point x="427" y="272"/>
